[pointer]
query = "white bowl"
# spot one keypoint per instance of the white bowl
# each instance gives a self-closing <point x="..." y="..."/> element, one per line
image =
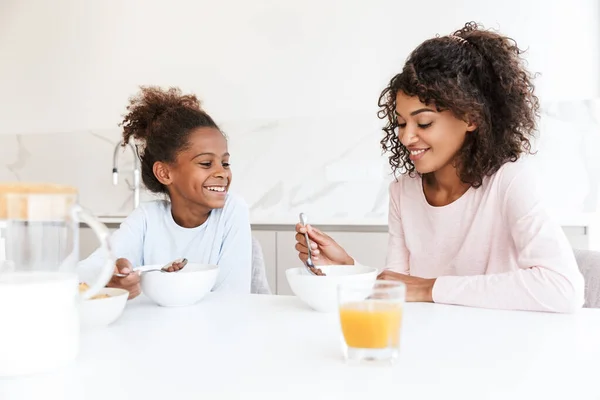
<point x="181" y="288"/>
<point x="98" y="313"/>
<point x="320" y="292"/>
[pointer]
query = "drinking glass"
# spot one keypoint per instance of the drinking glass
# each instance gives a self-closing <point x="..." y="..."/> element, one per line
<point x="371" y="320"/>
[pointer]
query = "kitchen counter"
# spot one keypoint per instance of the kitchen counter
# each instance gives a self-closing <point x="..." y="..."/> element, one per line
<point x="575" y="219"/>
<point x="354" y="225"/>
<point x="273" y="347"/>
<point x="282" y="221"/>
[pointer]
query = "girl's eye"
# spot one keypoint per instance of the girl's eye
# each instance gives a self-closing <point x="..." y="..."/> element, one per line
<point x="402" y="125"/>
<point x="206" y="164"/>
<point x="226" y="165"/>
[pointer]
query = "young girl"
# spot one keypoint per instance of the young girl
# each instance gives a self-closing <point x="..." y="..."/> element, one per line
<point x="184" y="156"/>
<point x="466" y="224"/>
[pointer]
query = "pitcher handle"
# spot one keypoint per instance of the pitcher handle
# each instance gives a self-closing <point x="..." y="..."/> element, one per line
<point x="103" y="235"/>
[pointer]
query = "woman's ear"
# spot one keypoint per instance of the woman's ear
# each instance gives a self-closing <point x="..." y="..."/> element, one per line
<point x="471" y="126"/>
<point x="162" y="173"/>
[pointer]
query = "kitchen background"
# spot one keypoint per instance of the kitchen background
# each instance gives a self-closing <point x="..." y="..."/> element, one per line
<point x="294" y="85"/>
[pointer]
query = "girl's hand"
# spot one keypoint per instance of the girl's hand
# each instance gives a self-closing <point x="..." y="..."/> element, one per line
<point x="131" y="282"/>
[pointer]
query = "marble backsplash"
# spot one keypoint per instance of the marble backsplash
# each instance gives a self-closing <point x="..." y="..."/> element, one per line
<point x="331" y="169"/>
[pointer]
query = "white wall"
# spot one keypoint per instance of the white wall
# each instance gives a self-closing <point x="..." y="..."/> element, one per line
<point x="294" y="85"/>
<point x="70" y="65"/>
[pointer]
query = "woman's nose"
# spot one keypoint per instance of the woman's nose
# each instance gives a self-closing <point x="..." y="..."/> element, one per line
<point x="408" y="136"/>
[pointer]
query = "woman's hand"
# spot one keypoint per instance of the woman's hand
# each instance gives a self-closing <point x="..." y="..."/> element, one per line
<point x="131" y="282"/>
<point x="325" y="250"/>
<point x="417" y="289"/>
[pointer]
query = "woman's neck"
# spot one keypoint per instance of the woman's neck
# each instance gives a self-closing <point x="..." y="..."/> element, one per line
<point x="444" y="186"/>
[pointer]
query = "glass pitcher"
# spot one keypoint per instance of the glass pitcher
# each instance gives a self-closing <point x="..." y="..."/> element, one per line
<point x="39" y="286"/>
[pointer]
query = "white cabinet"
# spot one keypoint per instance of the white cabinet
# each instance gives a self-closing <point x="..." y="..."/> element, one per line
<point x="287" y="257"/>
<point x="577" y="236"/>
<point x="368" y="248"/>
<point x="268" y="242"/>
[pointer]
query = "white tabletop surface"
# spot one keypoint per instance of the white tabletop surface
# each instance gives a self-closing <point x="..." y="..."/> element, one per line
<point x="274" y="347"/>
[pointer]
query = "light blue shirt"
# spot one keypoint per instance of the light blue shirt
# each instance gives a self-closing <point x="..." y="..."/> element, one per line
<point x="150" y="236"/>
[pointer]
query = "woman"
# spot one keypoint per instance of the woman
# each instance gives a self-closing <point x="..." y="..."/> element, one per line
<point x="184" y="156"/>
<point x="466" y="224"/>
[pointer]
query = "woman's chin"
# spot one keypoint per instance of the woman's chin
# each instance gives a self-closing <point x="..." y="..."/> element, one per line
<point x="424" y="169"/>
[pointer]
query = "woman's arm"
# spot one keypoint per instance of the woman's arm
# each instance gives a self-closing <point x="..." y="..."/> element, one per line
<point x="397" y="253"/>
<point x="546" y="277"/>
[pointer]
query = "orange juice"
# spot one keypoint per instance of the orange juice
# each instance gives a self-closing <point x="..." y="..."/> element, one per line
<point x="371" y="324"/>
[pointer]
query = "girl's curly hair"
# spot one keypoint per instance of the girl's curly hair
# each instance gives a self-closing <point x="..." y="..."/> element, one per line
<point x="162" y="120"/>
<point x="480" y="77"/>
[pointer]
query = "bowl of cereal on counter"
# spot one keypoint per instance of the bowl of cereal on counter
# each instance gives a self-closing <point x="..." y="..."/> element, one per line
<point x="319" y="291"/>
<point x="102" y="309"/>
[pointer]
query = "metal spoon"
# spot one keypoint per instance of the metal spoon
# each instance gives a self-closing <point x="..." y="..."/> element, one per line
<point x="309" y="263"/>
<point x="182" y="261"/>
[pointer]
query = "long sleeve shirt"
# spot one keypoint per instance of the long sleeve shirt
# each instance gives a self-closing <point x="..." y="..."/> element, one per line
<point x="494" y="247"/>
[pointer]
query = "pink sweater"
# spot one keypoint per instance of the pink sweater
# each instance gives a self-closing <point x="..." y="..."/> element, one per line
<point x="495" y="247"/>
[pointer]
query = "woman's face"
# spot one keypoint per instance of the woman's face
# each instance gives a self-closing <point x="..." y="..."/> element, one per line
<point x="433" y="138"/>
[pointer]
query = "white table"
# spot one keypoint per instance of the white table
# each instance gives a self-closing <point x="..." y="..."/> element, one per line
<point x="274" y="347"/>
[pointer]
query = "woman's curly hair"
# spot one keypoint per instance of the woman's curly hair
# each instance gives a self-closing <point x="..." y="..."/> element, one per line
<point x="162" y="120"/>
<point x="480" y="77"/>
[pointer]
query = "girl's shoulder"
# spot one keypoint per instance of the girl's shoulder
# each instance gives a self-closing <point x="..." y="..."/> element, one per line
<point x="235" y="209"/>
<point x="153" y="208"/>
<point x="234" y="202"/>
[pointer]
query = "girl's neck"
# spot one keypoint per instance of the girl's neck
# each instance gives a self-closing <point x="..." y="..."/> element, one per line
<point x="187" y="214"/>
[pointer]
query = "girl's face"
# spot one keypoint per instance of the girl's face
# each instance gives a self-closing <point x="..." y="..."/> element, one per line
<point x="433" y="138"/>
<point x="200" y="174"/>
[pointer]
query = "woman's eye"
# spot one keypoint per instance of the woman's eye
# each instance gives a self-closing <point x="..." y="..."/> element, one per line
<point x="206" y="164"/>
<point x="226" y="165"/>
<point x="423" y="126"/>
<point x="402" y="125"/>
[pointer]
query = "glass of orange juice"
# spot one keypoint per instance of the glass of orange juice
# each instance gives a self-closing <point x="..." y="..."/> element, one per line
<point x="371" y="320"/>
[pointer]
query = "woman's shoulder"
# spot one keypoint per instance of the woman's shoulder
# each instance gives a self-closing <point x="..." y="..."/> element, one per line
<point x="519" y="172"/>
<point x="405" y="184"/>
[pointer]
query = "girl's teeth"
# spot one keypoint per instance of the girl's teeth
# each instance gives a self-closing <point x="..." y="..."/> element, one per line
<point x="216" y="188"/>
<point x="415" y="152"/>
